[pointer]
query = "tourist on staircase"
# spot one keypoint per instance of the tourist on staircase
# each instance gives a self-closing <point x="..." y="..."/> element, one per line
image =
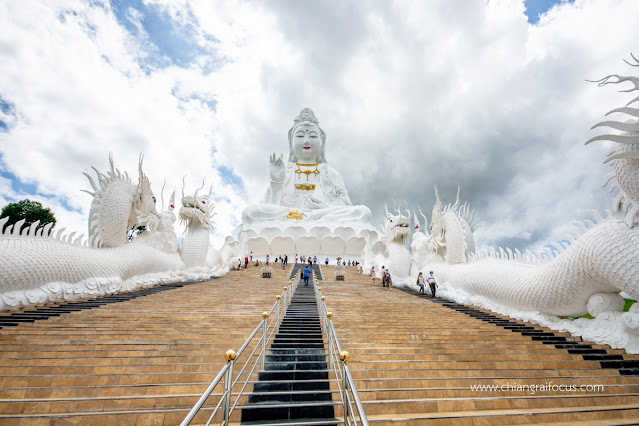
<point x="421" y="283"/>
<point x="432" y="282"/>
<point x="388" y="282"/>
<point x="307" y="274"/>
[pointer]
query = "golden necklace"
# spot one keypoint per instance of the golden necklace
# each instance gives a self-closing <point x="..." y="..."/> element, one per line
<point x="306" y="172"/>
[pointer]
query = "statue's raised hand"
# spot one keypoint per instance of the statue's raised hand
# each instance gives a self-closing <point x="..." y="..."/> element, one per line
<point x="277" y="168"/>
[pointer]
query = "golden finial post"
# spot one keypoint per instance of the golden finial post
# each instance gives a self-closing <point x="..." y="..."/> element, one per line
<point x="230" y="355"/>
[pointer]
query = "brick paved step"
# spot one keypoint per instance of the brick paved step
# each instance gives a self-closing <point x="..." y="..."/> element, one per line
<point x="418" y="356"/>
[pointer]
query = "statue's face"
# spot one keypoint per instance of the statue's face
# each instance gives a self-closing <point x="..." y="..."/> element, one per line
<point x="307" y="142"/>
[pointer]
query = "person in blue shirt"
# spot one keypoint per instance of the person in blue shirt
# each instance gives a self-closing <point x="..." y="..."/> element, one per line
<point x="307" y="274"/>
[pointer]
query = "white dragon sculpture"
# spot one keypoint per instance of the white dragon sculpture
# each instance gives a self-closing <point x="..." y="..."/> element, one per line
<point x="37" y="268"/>
<point x="586" y="276"/>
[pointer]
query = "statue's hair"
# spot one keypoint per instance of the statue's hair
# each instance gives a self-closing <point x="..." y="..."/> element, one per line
<point x="305" y="120"/>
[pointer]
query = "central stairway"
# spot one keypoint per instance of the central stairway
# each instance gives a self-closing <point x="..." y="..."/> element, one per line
<point x="294" y="386"/>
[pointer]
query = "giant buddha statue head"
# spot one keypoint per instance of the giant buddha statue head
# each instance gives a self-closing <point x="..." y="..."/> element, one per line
<point x="306" y="139"/>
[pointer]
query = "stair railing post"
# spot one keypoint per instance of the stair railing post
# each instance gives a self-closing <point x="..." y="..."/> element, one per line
<point x="229" y="356"/>
<point x="264" y="321"/>
<point x="344" y="357"/>
<point x="329" y="316"/>
<point x="290" y="295"/>
<point x="324" y="317"/>
<point x="277" y="314"/>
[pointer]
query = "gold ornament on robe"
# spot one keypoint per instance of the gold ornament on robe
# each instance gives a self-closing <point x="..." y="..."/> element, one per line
<point x="294" y="214"/>
<point x="299" y="171"/>
<point x="303" y="187"/>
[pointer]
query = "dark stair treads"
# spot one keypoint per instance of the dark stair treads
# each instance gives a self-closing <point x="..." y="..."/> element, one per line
<point x="294" y="387"/>
<point x="588" y="353"/>
<point x="45" y="312"/>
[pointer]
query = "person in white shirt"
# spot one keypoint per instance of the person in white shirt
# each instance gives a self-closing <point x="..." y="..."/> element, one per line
<point x="432" y="282"/>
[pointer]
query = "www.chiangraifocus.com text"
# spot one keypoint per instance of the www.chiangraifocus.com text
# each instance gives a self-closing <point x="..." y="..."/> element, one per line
<point x="537" y="387"/>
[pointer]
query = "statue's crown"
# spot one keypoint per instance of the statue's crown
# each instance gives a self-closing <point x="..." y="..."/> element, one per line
<point x="306" y="115"/>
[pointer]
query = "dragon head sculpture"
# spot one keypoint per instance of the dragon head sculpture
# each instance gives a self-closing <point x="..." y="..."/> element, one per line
<point x="396" y="227"/>
<point x="197" y="208"/>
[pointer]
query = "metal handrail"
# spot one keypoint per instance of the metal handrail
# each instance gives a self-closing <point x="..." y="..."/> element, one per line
<point x="344" y="378"/>
<point x="282" y="302"/>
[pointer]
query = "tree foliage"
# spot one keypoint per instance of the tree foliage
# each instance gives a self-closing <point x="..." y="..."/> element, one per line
<point x="30" y="211"/>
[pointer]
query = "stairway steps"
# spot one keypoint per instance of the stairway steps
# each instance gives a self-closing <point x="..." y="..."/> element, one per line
<point x="161" y="350"/>
<point x="407" y="354"/>
<point x="292" y="386"/>
<point x="417" y="355"/>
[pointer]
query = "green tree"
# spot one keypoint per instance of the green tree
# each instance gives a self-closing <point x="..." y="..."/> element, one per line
<point x="30" y="211"/>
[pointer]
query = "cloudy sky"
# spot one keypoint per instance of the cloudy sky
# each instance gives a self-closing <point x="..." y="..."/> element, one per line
<point x="487" y="95"/>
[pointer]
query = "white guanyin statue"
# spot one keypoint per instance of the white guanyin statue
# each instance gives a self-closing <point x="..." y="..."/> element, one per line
<point x="306" y="207"/>
<point x="306" y="182"/>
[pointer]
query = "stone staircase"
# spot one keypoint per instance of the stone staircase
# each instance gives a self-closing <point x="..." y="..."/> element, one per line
<point x="415" y="360"/>
<point x="294" y="384"/>
<point x="145" y="358"/>
<point x="142" y="360"/>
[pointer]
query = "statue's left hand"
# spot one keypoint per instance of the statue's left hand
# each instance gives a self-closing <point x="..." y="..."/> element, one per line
<point x="314" y="203"/>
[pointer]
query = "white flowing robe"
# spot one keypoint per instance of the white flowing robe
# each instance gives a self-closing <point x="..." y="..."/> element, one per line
<point x="329" y="191"/>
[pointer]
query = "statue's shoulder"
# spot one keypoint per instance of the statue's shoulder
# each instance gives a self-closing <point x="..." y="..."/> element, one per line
<point x="330" y="173"/>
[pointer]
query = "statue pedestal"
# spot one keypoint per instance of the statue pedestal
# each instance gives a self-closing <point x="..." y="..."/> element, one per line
<point x="304" y="237"/>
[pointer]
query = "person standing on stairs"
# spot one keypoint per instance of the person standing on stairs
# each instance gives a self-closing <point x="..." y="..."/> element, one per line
<point x="421" y="283"/>
<point x="307" y="274"/>
<point x="388" y="280"/>
<point x="373" y="275"/>
<point x="432" y="283"/>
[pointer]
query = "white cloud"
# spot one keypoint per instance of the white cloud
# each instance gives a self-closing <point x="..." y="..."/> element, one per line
<point x="410" y="93"/>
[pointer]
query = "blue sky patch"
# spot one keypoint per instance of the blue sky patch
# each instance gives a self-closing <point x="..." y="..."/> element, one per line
<point x="536" y="8"/>
<point x="176" y="44"/>
<point x="25" y="190"/>
<point x="7" y="109"/>
<point x="211" y="103"/>
<point x="230" y="178"/>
